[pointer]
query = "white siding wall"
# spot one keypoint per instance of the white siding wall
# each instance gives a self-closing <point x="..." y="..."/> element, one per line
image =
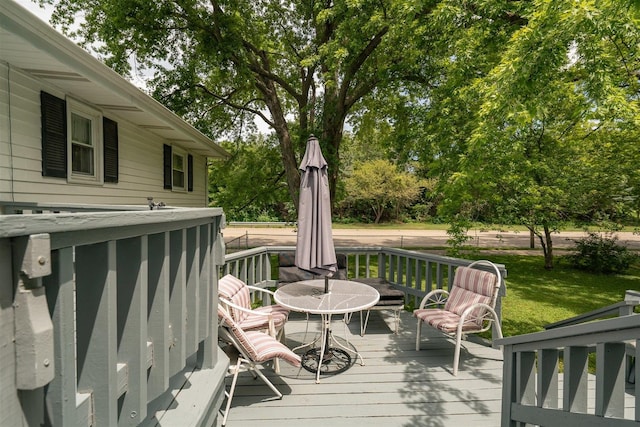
<point x="140" y="156"/>
<point x="5" y="148"/>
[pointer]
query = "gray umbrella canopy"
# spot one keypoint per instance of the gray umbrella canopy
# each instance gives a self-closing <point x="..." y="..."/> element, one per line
<point x="314" y="249"/>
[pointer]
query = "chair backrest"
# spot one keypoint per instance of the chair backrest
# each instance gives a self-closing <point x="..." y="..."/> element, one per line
<point x="473" y="286"/>
<point x="240" y="337"/>
<point x="235" y="290"/>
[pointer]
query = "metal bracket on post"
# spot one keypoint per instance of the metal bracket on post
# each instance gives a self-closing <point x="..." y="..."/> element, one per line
<point x="33" y="326"/>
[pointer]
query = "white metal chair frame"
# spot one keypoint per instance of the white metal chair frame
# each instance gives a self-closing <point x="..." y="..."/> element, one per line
<point x="244" y="359"/>
<point x="270" y="323"/>
<point x="488" y="315"/>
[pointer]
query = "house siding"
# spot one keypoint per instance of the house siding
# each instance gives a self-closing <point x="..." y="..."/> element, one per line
<point x="140" y="155"/>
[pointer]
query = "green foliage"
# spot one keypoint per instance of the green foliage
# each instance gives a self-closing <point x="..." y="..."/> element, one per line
<point x="302" y="67"/>
<point x="250" y="186"/>
<point x="554" y="115"/>
<point x="458" y="236"/>
<point x="601" y="254"/>
<point x="518" y="112"/>
<point x="380" y="185"/>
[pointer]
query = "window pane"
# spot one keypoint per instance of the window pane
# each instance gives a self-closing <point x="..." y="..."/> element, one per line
<point x="82" y="159"/>
<point x="178" y="179"/>
<point x="80" y="129"/>
<point x="178" y="162"/>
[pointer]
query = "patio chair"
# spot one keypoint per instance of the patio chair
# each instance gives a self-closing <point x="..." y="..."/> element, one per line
<point x="236" y="295"/>
<point x="469" y="306"/>
<point x="254" y="348"/>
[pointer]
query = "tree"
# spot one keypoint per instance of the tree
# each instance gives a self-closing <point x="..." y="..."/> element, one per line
<point x="220" y="63"/>
<point x="250" y="184"/>
<point x="380" y="185"/>
<point x="566" y="86"/>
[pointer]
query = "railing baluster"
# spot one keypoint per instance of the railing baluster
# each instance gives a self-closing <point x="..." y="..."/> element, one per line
<point x="205" y="283"/>
<point x="509" y="374"/>
<point x="439" y="276"/>
<point x="636" y="378"/>
<point x="158" y="313"/>
<point x="177" y="301"/>
<point x="96" y="328"/>
<point x="548" y="363"/>
<point x="132" y="273"/>
<point x="525" y="377"/>
<point x="192" y="302"/>
<point x="610" y="380"/>
<point x="61" y="395"/>
<point x="575" y="379"/>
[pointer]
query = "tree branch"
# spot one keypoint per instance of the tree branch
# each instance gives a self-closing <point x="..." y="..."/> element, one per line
<point x="226" y="101"/>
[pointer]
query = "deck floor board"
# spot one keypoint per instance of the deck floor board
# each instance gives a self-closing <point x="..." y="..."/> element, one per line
<point x="396" y="386"/>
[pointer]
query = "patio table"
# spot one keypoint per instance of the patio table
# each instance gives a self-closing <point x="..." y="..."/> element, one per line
<point x="344" y="297"/>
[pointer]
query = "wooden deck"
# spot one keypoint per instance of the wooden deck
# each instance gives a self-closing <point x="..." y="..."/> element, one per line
<point x="397" y="386"/>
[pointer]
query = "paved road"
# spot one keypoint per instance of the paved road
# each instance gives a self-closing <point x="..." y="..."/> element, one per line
<point x="241" y="237"/>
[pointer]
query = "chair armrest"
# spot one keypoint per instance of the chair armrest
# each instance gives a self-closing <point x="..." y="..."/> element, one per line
<point x="487" y="315"/>
<point x="257" y="289"/>
<point x="269" y="316"/>
<point x="243" y="309"/>
<point x="440" y="298"/>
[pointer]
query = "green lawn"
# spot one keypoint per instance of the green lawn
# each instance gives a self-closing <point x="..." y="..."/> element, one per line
<point x="536" y="297"/>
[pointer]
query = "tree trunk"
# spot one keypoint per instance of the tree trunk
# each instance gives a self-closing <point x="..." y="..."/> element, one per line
<point x="532" y="240"/>
<point x="547" y="245"/>
<point x="548" y="253"/>
<point x="332" y="126"/>
<point x="281" y="128"/>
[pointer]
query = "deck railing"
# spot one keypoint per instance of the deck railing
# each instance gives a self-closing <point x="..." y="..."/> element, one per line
<point x="535" y="393"/>
<point x="414" y="273"/>
<point x="109" y="318"/>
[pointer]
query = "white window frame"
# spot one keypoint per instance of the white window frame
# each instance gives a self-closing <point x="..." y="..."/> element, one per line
<point x="181" y="153"/>
<point x="83" y="110"/>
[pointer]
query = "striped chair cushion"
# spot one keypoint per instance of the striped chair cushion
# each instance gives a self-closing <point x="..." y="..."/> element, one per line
<point x="265" y="347"/>
<point x="253" y="322"/>
<point x="258" y="346"/>
<point x="444" y="320"/>
<point x="471" y="286"/>
<point x="236" y="291"/>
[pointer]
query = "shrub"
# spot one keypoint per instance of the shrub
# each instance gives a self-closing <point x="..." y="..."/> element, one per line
<point x="601" y="254"/>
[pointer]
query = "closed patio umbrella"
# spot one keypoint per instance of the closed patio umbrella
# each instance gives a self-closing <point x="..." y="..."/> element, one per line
<point x="314" y="248"/>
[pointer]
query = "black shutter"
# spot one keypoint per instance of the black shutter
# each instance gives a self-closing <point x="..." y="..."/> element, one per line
<point x="189" y="172"/>
<point x="110" y="132"/>
<point x="167" y="167"/>
<point x="54" y="135"/>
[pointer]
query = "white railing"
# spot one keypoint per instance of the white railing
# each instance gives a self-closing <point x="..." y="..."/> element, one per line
<point x="109" y="318"/>
<point x="536" y="393"/>
<point x="414" y="273"/>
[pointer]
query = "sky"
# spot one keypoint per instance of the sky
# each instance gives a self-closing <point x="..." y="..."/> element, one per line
<point x="43" y="14"/>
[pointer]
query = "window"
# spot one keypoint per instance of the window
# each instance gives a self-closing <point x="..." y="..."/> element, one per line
<point x="82" y="152"/>
<point x="178" y="169"/>
<point x="77" y="142"/>
<point x="85" y="129"/>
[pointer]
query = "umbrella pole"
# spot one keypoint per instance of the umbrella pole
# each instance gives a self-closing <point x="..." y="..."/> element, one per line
<point x="326" y="284"/>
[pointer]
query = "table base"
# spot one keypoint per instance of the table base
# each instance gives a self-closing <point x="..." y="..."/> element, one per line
<point x="334" y="361"/>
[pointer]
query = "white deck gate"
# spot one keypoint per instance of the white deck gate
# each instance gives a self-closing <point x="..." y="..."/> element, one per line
<point x="109" y="318"/>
